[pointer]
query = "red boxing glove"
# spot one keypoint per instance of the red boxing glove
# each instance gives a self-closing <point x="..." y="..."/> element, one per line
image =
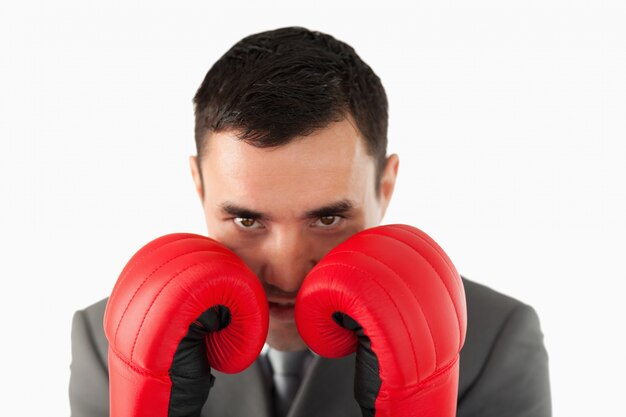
<point x="183" y="304"/>
<point x="393" y="295"/>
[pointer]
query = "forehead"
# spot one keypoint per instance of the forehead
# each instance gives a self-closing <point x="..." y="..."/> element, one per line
<point x="329" y="164"/>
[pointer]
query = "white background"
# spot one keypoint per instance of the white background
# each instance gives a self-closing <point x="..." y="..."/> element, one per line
<point x="509" y="118"/>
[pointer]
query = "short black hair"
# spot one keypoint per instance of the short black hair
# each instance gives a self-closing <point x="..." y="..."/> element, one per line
<point x="276" y="85"/>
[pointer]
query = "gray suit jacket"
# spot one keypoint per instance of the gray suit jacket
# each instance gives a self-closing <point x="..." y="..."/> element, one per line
<point x="503" y="369"/>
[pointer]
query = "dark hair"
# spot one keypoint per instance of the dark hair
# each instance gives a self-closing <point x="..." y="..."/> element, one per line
<point x="274" y="86"/>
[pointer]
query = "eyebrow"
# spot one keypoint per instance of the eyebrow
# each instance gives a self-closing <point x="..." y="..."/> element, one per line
<point x="343" y="206"/>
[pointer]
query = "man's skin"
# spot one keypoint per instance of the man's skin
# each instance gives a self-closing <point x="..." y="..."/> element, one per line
<point x="504" y="365"/>
<point x="263" y="203"/>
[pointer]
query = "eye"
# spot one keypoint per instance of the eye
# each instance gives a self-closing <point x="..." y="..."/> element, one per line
<point x="247" y="223"/>
<point x="327" y="221"/>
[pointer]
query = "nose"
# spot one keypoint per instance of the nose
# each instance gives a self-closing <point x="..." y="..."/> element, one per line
<point x="289" y="257"/>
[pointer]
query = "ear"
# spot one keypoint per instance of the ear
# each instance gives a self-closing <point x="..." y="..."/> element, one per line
<point x="388" y="182"/>
<point x="197" y="177"/>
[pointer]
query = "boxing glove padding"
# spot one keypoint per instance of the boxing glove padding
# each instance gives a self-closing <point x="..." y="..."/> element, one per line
<point x="184" y="303"/>
<point x="397" y="285"/>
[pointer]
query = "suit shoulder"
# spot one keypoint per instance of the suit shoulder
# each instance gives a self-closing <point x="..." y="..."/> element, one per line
<point x="481" y="297"/>
<point x="491" y="316"/>
<point x="88" y="387"/>
<point x="488" y="312"/>
<point x="503" y="362"/>
<point x="94" y="311"/>
<point x="88" y="328"/>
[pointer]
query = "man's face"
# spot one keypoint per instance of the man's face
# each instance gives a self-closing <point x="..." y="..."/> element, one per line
<point x="282" y="209"/>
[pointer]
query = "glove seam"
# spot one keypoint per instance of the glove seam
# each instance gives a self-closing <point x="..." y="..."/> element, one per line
<point x="168" y="282"/>
<point x="143" y="282"/>
<point x="417" y="366"/>
<point x="432" y="338"/>
<point x="132" y="351"/>
<point x="136" y="368"/>
<point x="446" y="260"/>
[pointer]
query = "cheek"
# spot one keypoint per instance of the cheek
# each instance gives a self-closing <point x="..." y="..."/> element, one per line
<point x="327" y="243"/>
<point x="255" y="253"/>
<point x="223" y="231"/>
<point x="249" y="250"/>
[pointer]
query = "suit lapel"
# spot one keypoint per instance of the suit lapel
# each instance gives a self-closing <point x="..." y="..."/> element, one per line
<point x="327" y="389"/>
<point x="240" y="395"/>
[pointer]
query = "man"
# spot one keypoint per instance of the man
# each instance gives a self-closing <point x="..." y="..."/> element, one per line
<point x="291" y="138"/>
